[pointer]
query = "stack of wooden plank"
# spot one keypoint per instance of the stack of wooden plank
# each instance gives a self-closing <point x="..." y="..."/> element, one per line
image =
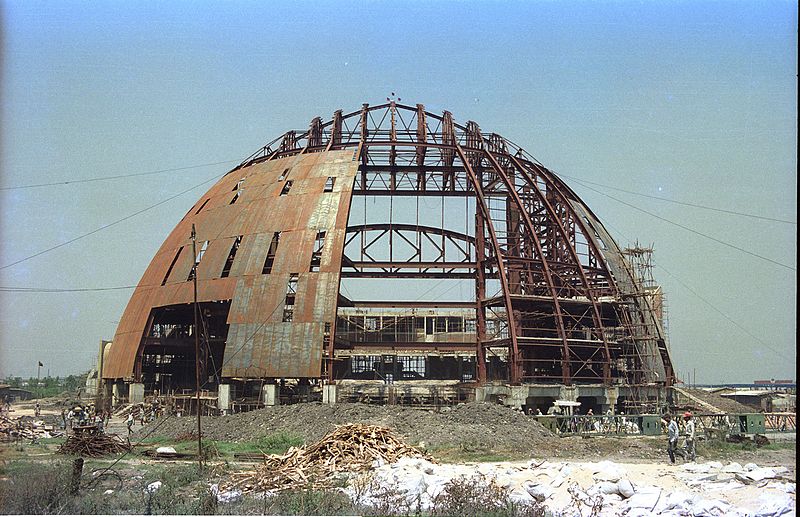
<point x="348" y="448"/>
<point x="94" y="445"/>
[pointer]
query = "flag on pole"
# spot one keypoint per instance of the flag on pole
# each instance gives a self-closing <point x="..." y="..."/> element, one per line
<point x="40" y="363"/>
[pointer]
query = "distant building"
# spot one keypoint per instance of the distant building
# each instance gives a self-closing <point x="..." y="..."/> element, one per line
<point x="759" y="400"/>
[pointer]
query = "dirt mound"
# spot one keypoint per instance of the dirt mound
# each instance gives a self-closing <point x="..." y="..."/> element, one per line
<point x="718" y="401"/>
<point x="468" y="426"/>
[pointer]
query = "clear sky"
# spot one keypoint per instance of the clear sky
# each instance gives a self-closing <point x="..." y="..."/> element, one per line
<point x="691" y="101"/>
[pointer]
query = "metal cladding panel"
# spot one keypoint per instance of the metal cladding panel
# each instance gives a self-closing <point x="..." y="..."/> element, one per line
<point x="242" y="263"/>
<point x="256" y="300"/>
<point x="214" y="259"/>
<point x="258" y="340"/>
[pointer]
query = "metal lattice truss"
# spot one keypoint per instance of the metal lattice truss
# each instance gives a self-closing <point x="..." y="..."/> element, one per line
<point x="570" y="306"/>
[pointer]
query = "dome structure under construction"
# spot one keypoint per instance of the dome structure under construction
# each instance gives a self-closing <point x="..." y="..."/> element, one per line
<point x="384" y="197"/>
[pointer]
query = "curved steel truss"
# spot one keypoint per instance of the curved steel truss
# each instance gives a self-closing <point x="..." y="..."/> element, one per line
<point x="570" y="306"/>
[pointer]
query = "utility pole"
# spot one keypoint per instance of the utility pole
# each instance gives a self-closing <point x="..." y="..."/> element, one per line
<point x="196" y="348"/>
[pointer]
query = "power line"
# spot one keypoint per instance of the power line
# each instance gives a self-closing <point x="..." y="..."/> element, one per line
<point x="70" y="241"/>
<point x="693" y="205"/>
<point x="748" y="252"/>
<point x="119" y="176"/>
<point x="16" y="289"/>
<point x="753" y="336"/>
<point x="719" y="311"/>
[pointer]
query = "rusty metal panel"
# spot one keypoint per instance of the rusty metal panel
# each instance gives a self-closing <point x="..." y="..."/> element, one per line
<point x="293" y="349"/>
<point x="214" y="258"/>
<point x="241" y="264"/>
<point x="271" y="347"/>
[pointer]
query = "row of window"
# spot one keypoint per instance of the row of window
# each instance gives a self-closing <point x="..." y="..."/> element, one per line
<point x="269" y="260"/>
<point x="239" y="191"/>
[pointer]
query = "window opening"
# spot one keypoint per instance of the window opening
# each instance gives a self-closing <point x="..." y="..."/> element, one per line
<point x="316" y="255"/>
<point x="231" y="255"/>
<point x="286" y="187"/>
<point x="238" y="185"/>
<point x="197" y="260"/>
<point x="284" y="175"/>
<point x="172" y="265"/>
<point x="291" y="293"/>
<point x="236" y="197"/>
<point x="273" y="248"/>
<point x="202" y="206"/>
<point x="329" y="184"/>
<point x="414" y="367"/>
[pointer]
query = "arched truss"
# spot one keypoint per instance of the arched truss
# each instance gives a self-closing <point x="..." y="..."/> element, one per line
<point x="572" y="310"/>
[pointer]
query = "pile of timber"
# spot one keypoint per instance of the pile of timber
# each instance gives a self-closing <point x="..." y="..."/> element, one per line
<point x="94" y="445"/>
<point x="25" y="428"/>
<point x="348" y="448"/>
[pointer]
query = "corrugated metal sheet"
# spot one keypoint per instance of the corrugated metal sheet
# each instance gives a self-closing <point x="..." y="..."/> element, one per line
<point x="259" y="343"/>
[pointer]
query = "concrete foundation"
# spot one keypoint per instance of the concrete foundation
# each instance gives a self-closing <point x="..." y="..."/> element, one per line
<point x="270" y="395"/>
<point x="329" y="394"/>
<point x="135" y="393"/>
<point x="541" y="396"/>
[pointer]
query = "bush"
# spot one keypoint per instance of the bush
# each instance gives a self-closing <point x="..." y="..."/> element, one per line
<point x="310" y="502"/>
<point x="33" y="488"/>
<point x="476" y="496"/>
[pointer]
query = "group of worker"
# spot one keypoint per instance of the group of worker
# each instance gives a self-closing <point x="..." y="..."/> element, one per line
<point x="673" y="432"/>
<point x="144" y="413"/>
<point x="85" y="415"/>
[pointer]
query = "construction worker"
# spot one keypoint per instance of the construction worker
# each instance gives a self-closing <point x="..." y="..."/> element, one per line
<point x="690" y="431"/>
<point x="37" y="410"/>
<point x="672" y="439"/>
<point x="129" y="422"/>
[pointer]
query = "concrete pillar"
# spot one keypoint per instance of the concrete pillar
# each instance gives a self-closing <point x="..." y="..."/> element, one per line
<point x="269" y="394"/>
<point x="517" y="398"/>
<point x="480" y="394"/>
<point x="224" y="397"/>
<point x="568" y="393"/>
<point x="329" y="395"/>
<point x="135" y="393"/>
<point x="116" y="394"/>
<point x="612" y="394"/>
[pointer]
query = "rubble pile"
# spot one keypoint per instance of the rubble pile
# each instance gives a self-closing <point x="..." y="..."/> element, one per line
<point x="348" y="448"/>
<point x="94" y="445"/>
<point x="26" y="428"/>
<point x="475" y="425"/>
<point x="604" y="488"/>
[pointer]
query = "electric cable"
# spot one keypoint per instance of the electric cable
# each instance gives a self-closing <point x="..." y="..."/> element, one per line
<point x="731" y="320"/>
<point x="693" y="205"/>
<point x="714" y="307"/>
<point x="118" y="176"/>
<point x="105" y="226"/>
<point x="710" y="237"/>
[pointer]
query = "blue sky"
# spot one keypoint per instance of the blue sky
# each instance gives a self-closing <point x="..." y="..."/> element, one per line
<point x="689" y="101"/>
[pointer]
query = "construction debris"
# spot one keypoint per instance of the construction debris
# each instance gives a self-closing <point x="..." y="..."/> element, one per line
<point x="348" y="448"/>
<point x="27" y="428"/>
<point x="94" y="445"/>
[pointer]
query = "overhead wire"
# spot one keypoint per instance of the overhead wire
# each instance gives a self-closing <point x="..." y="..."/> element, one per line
<point x="683" y="203"/>
<point x="105" y="226"/>
<point x="731" y="320"/>
<point x="704" y="300"/>
<point x="692" y="230"/>
<point x="118" y="176"/>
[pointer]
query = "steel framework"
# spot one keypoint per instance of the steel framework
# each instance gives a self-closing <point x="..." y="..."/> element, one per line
<point x="566" y="293"/>
<point x="554" y="296"/>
